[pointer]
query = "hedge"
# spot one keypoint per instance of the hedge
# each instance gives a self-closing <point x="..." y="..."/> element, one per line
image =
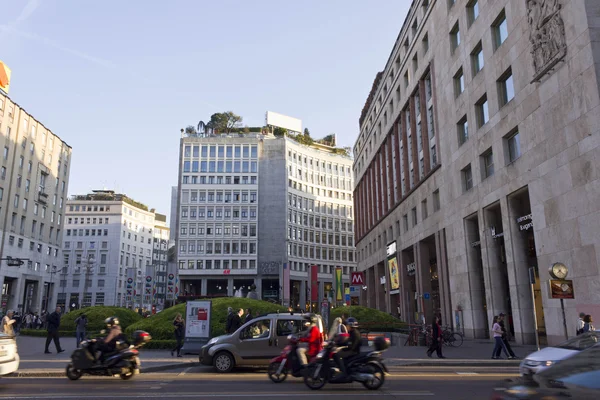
<point x="96" y="316"/>
<point x="370" y="319"/>
<point x="160" y="326"/>
<point x="44" y="333"/>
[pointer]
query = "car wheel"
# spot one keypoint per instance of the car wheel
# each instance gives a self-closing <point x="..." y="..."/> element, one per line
<point x="223" y="362"/>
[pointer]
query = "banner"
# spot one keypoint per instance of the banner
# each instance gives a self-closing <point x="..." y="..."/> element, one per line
<point x="286" y="283"/>
<point x="130" y="285"/>
<point x="314" y="283"/>
<point x="394" y="275"/>
<point x="197" y="319"/>
<point x="339" y="286"/>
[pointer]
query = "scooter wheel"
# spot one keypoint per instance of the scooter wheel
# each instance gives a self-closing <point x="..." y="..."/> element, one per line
<point x="126" y="375"/>
<point x="312" y="379"/>
<point x="378" y="377"/>
<point x="73" y="373"/>
<point x="274" y="375"/>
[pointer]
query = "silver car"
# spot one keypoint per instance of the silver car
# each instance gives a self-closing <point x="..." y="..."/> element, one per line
<point x="254" y="343"/>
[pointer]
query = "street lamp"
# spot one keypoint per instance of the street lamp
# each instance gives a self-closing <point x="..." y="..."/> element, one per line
<point x="89" y="268"/>
<point x="52" y="271"/>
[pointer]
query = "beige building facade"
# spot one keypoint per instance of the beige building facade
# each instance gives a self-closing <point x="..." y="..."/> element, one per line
<point x="34" y="180"/>
<point x="477" y="162"/>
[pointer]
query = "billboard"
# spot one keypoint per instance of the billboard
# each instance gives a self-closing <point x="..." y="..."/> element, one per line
<point x="394" y="276"/>
<point x="197" y="319"/>
<point x="283" y="121"/>
<point x="4" y="77"/>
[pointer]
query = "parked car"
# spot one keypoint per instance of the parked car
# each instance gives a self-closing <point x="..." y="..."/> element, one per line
<point x="576" y="377"/>
<point x="540" y="360"/>
<point x="254" y="343"/>
<point x="9" y="357"/>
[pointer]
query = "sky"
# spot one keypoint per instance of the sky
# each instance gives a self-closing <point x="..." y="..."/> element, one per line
<point x="118" y="79"/>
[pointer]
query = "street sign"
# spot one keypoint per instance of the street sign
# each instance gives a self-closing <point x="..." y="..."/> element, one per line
<point x="148" y="278"/>
<point x="171" y="277"/>
<point x="129" y="280"/>
<point x="348" y="299"/>
<point x="357" y="278"/>
<point x="426" y="296"/>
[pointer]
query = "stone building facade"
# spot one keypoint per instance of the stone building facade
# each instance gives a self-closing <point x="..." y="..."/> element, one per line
<point x="477" y="160"/>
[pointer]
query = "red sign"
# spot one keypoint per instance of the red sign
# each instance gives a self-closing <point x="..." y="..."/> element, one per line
<point x="314" y="283"/>
<point x="357" y="278"/>
<point x="226" y="272"/>
<point x="202" y="314"/>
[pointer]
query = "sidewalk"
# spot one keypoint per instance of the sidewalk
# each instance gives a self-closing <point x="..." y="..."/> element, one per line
<point x="35" y="363"/>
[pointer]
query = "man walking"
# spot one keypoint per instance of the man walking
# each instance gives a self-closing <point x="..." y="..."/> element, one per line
<point x="53" y="325"/>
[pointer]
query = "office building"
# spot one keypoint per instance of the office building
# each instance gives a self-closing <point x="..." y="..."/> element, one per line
<point x="476" y="164"/>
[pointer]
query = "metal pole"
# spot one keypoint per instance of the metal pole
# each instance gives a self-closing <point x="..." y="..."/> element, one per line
<point x="537" y="337"/>
<point x="562" y="307"/>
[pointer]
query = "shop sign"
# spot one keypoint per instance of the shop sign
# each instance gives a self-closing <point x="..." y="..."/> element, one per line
<point x="523" y="224"/>
<point x="561" y="289"/>
<point x="411" y="269"/>
<point x="496" y="235"/>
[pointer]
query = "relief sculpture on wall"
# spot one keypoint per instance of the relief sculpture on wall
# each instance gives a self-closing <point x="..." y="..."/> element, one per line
<point x="546" y="34"/>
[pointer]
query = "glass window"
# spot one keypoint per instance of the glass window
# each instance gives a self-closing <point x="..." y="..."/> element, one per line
<point x="500" y="30"/>
<point x="287" y="327"/>
<point x="459" y="83"/>
<point x="467" y="178"/>
<point x="463" y="130"/>
<point x="514" y="146"/>
<point x="254" y="151"/>
<point x="477" y="59"/>
<point x="481" y="108"/>
<point x="454" y="38"/>
<point x="472" y="11"/>
<point x="487" y="164"/>
<point x="260" y="329"/>
<point x="506" y="90"/>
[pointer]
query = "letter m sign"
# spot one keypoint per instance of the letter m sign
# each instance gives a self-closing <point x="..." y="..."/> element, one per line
<point x="357" y="278"/>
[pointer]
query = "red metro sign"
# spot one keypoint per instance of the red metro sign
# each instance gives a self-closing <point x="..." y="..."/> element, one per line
<point x="357" y="278"/>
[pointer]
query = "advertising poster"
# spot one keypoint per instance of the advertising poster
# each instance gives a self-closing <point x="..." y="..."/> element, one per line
<point x="394" y="274"/>
<point x="197" y="320"/>
<point x="339" y="286"/>
<point x="314" y="283"/>
<point x="561" y="289"/>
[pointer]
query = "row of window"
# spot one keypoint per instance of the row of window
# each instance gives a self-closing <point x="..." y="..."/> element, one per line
<point x="39" y="247"/>
<point x="320" y="253"/>
<point x="310" y="236"/>
<point x="221" y="151"/>
<point x="318" y="166"/>
<point x="87" y="299"/>
<point x="219" y="180"/>
<point x="322" y="269"/>
<point x="316" y="206"/>
<point x="221" y="166"/>
<point x="218" y="212"/>
<point x="88" y="245"/>
<point x="319" y="222"/>
<point x="321" y="180"/>
<point x="218" y="230"/>
<point x="227" y="196"/>
<point x="217" y="247"/>
<point x="87" y="232"/>
<point x="94" y="208"/>
<point x="88" y="221"/>
<point x="334" y="194"/>
<point x="34" y="228"/>
<point x="217" y="264"/>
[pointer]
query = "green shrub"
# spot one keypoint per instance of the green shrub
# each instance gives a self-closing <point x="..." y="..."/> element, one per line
<point x="96" y="316"/>
<point x="44" y="333"/>
<point x="160" y="326"/>
<point x="369" y="319"/>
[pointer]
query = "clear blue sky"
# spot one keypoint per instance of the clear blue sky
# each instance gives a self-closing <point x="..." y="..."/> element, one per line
<point x="117" y="79"/>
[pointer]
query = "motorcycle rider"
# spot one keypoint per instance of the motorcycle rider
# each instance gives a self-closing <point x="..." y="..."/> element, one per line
<point x="114" y="331"/>
<point x="352" y="347"/>
<point x="314" y="340"/>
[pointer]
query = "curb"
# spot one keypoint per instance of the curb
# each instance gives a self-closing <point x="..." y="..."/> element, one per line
<point x="61" y="373"/>
<point x="451" y="363"/>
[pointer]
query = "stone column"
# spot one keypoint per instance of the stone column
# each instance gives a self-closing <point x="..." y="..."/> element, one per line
<point x="204" y="287"/>
<point x="321" y="291"/>
<point x="424" y="279"/>
<point x="477" y="312"/>
<point x="302" y="294"/>
<point x="408" y="308"/>
<point x="230" y="290"/>
<point x="443" y="276"/>
<point x="518" y="276"/>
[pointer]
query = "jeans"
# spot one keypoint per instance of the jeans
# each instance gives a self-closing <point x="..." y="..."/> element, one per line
<point x="79" y="337"/>
<point x="498" y="347"/>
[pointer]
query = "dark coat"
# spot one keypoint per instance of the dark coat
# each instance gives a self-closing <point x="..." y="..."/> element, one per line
<point x="236" y="322"/>
<point x="53" y="322"/>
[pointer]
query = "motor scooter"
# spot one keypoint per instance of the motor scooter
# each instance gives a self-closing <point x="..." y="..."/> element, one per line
<point x="123" y="362"/>
<point x="287" y="363"/>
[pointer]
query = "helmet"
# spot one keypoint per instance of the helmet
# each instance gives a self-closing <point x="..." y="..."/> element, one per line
<point x="312" y="320"/>
<point x="352" y="322"/>
<point x="111" y="321"/>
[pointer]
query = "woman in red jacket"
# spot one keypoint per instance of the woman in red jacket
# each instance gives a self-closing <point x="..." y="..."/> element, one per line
<point x="314" y="339"/>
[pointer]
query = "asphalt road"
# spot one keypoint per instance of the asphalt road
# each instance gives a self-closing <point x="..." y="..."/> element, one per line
<point x="201" y="383"/>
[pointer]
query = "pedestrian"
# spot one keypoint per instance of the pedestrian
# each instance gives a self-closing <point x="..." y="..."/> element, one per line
<point x="179" y="324"/>
<point x="8" y="322"/>
<point x="80" y="327"/>
<point x="580" y="324"/>
<point x="17" y="324"/>
<point x="229" y="320"/>
<point x="436" y="338"/>
<point x="53" y="321"/>
<point x="587" y="324"/>
<point x="236" y="320"/>
<point x="507" y="349"/>
<point x="248" y="315"/>
<point x="499" y="344"/>
<point x="28" y="320"/>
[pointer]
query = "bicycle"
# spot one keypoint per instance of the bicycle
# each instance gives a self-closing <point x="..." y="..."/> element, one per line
<point x="451" y="338"/>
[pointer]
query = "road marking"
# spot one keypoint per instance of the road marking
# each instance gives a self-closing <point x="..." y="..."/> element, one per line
<point x="155" y="387"/>
<point x="225" y="395"/>
<point x="185" y="371"/>
<point x="468" y="373"/>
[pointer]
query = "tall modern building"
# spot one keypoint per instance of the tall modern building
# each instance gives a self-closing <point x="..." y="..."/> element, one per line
<point x="108" y="250"/>
<point x="34" y="180"/>
<point x="255" y="209"/>
<point x="160" y="240"/>
<point x="476" y="167"/>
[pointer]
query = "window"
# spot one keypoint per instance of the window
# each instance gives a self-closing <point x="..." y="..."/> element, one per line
<point x="454" y="38"/>
<point x="467" y="178"/>
<point x="499" y="30"/>
<point x="436" y="200"/>
<point x="424" y="209"/>
<point x="459" y="83"/>
<point x="258" y="330"/>
<point x="487" y="164"/>
<point x="5" y="152"/>
<point x="425" y="43"/>
<point x="405" y="222"/>
<point x="481" y="109"/>
<point x="472" y="11"/>
<point x="414" y="215"/>
<point x="506" y="89"/>
<point x="477" y="60"/>
<point x="514" y="146"/>
<point x="463" y="130"/>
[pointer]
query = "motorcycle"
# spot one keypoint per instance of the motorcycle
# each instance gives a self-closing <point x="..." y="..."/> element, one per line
<point x="123" y="362"/>
<point x="367" y="368"/>
<point x="286" y="363"/>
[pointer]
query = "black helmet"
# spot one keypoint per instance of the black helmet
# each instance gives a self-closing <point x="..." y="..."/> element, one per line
<point x="352" y="322"/>
<point x="111" y="321"/>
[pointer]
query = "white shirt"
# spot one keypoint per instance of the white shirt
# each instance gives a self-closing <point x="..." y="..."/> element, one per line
<point x="580" y="324"/>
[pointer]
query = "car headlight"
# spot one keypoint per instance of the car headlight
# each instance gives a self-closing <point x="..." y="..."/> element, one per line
<point x="533" y="363"/>
<point x="550" y="363"/>
<point x="212" y="341"/>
